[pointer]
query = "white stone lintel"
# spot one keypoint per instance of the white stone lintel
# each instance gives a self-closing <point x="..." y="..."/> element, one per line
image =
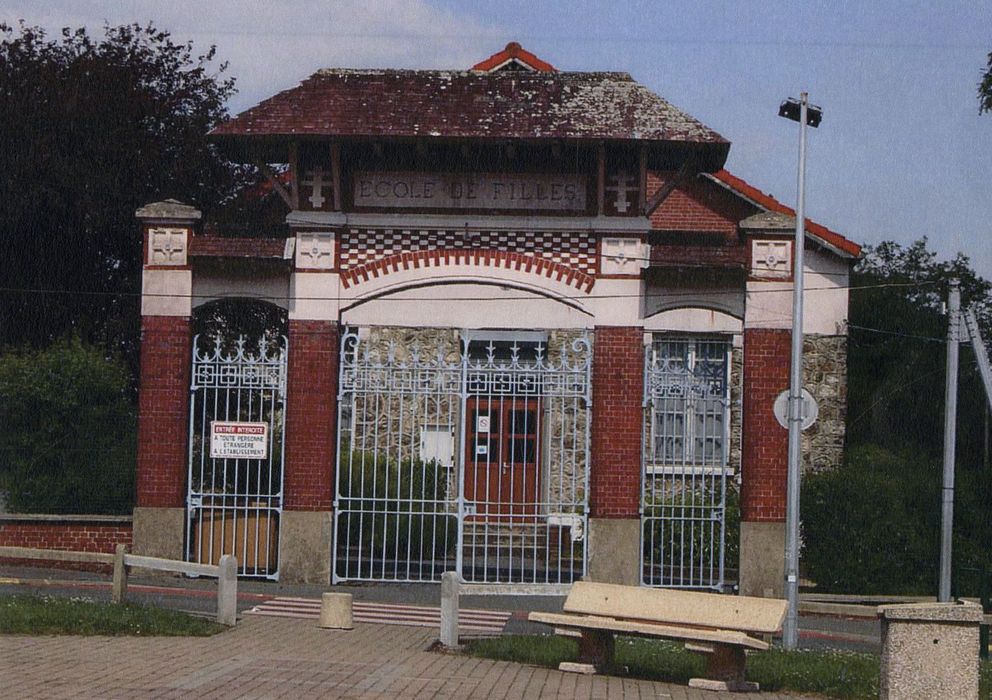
<point x="314" y="296"/>
<point x="166" y="292"/>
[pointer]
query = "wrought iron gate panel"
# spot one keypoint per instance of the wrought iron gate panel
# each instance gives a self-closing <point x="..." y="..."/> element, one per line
<point x="234" y="504"/>
<point x="686" y="441"/>
<point x="462" y="457"/>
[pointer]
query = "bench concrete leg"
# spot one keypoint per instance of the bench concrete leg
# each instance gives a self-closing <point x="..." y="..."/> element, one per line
<point x="595" y="653"/>
<point x="725" y="671"/>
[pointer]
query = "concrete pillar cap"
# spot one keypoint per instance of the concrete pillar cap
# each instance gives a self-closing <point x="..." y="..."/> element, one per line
<point x="933" y="612"/>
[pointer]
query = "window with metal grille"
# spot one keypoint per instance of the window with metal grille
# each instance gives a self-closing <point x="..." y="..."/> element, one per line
<point x="689" y="400"/>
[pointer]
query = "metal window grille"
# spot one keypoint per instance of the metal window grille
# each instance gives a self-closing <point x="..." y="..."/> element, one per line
<point x="234" y="503"/>
<point x="462" y="455"/>
<point x="686" y="441"/>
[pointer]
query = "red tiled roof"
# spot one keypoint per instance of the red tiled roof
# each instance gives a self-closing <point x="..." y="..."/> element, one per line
<point x="470" y="104"/>
<point x="766" y="201"/>
<point x="514" y="51"/>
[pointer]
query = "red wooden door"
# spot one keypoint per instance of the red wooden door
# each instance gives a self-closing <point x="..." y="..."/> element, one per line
<point x="502" y="455"/>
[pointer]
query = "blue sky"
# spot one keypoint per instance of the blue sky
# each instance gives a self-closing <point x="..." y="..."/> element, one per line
<point x="901" y="153"/>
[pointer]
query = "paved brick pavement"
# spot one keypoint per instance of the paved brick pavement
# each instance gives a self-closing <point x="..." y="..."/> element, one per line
<point x="288" y="658"/>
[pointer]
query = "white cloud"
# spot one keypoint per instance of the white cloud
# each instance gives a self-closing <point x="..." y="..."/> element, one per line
<point x="273" y="45"/>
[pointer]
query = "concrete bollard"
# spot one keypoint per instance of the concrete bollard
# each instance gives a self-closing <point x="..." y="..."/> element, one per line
<point x="929" y="650"/>
<point x="227" y="591"/>
<point x="119" y="590"/>
<point x="449" y="608"/>
<point x="335" y="611"/>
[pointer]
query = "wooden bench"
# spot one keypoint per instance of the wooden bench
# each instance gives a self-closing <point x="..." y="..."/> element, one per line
<point x="709" y="623"/>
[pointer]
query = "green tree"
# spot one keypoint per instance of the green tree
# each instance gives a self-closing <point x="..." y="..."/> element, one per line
<point x="985" y="88"/>
<point x="93" y="128"/>
<point x="873" y="525"/>
<point x="67" y="431"/>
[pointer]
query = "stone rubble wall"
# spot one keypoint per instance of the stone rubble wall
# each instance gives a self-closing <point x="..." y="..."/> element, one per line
<point x="375" y="424"/>
<point x="825" y="376"/>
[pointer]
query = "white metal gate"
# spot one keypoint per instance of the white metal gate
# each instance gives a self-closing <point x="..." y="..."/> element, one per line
<point x="686" y="440"/>
<point x="462" y="452"/>
<point x="236" y="428"/>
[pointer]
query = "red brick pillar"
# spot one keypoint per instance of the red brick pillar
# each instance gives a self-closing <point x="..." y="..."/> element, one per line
<point x="617" y="414"/>
<point x="311" y="415"/>
<point x="163" y="412"/>
<point x="615" y="476"/>
<point x="765" y="453"/>
<point x="306" y="535"/>
<point x="163" y="396"/>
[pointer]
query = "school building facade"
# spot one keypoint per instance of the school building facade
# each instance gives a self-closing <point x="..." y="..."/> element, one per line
<point x="515" y="322"/>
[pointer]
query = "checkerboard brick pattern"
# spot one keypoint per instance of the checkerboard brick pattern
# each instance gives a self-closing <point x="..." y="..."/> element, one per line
<point x="575" y="250"/>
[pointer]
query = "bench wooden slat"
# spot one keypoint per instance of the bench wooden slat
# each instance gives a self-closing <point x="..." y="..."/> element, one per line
<point x="711" y="610"/>
<point x="717" y="636"/>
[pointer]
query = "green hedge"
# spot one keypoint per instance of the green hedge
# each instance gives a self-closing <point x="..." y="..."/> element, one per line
<point x="396" y="506"/>
<point x="873" y="526"/>
<point x="67" y="430"/>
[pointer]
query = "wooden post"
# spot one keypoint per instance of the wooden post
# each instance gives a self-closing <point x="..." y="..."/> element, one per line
<point x="294" y="175"/>
<point x="642" y="182"/>
<point x="119" y="590"/>
<point x="336" y="174"/>
<point x="227" y="591"/>
<point x="600" y="179"/>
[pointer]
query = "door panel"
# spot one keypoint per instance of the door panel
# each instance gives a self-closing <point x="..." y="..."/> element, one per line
<point x="501" y="462"/>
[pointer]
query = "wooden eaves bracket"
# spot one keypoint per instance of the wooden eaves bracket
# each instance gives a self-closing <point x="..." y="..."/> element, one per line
<point x="689" y="169"/>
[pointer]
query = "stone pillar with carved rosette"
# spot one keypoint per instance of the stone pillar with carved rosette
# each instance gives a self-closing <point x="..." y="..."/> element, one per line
<point x="163" y="396"/>
<point x="311" y="409"/>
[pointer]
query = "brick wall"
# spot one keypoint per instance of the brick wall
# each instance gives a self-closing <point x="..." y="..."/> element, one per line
<point x="311" y="415"/>
<point x="766" y="443"/>
<point x="73" y="533"/>
<point x="163" y="405"/>
<point x="617" y="389"/>
<point x="698" y="205"/>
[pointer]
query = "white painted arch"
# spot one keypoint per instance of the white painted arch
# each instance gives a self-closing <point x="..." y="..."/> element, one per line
<point x="473" y="298"/>
<point x="694" y="319"/>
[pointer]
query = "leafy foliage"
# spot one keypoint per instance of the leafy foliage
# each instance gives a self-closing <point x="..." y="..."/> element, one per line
<point x="93" y="128"/>
<point x="67" y="431"/>
<point x="395" y="509"/>
<point x="873" y="526"/>
<point x="985" y="89"/>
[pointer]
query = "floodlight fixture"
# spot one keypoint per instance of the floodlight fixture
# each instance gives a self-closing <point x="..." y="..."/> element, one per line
<point x="792" y="109"/>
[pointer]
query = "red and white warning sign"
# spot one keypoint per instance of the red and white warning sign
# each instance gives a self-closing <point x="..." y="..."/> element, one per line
<point x="231" y="440"/>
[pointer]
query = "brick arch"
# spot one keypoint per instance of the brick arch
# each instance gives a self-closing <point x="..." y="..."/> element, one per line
<point x="497" y="259"/>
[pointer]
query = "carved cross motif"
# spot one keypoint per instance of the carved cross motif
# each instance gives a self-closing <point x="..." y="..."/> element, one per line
<point x="624" y="185"/>
<point x="167" y="246"/>
<point x="317" y="183"/>
<point x="314" y="250"/>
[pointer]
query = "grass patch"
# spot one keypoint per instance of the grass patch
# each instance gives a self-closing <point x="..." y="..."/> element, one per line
<point x="31" y="614"/>
<point x="836" y="674"/>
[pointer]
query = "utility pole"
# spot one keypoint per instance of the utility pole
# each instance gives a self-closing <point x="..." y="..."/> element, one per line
<point x="950" y="422"/>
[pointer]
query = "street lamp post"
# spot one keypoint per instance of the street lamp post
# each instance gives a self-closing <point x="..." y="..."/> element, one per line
<point x="806" y="114"/>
